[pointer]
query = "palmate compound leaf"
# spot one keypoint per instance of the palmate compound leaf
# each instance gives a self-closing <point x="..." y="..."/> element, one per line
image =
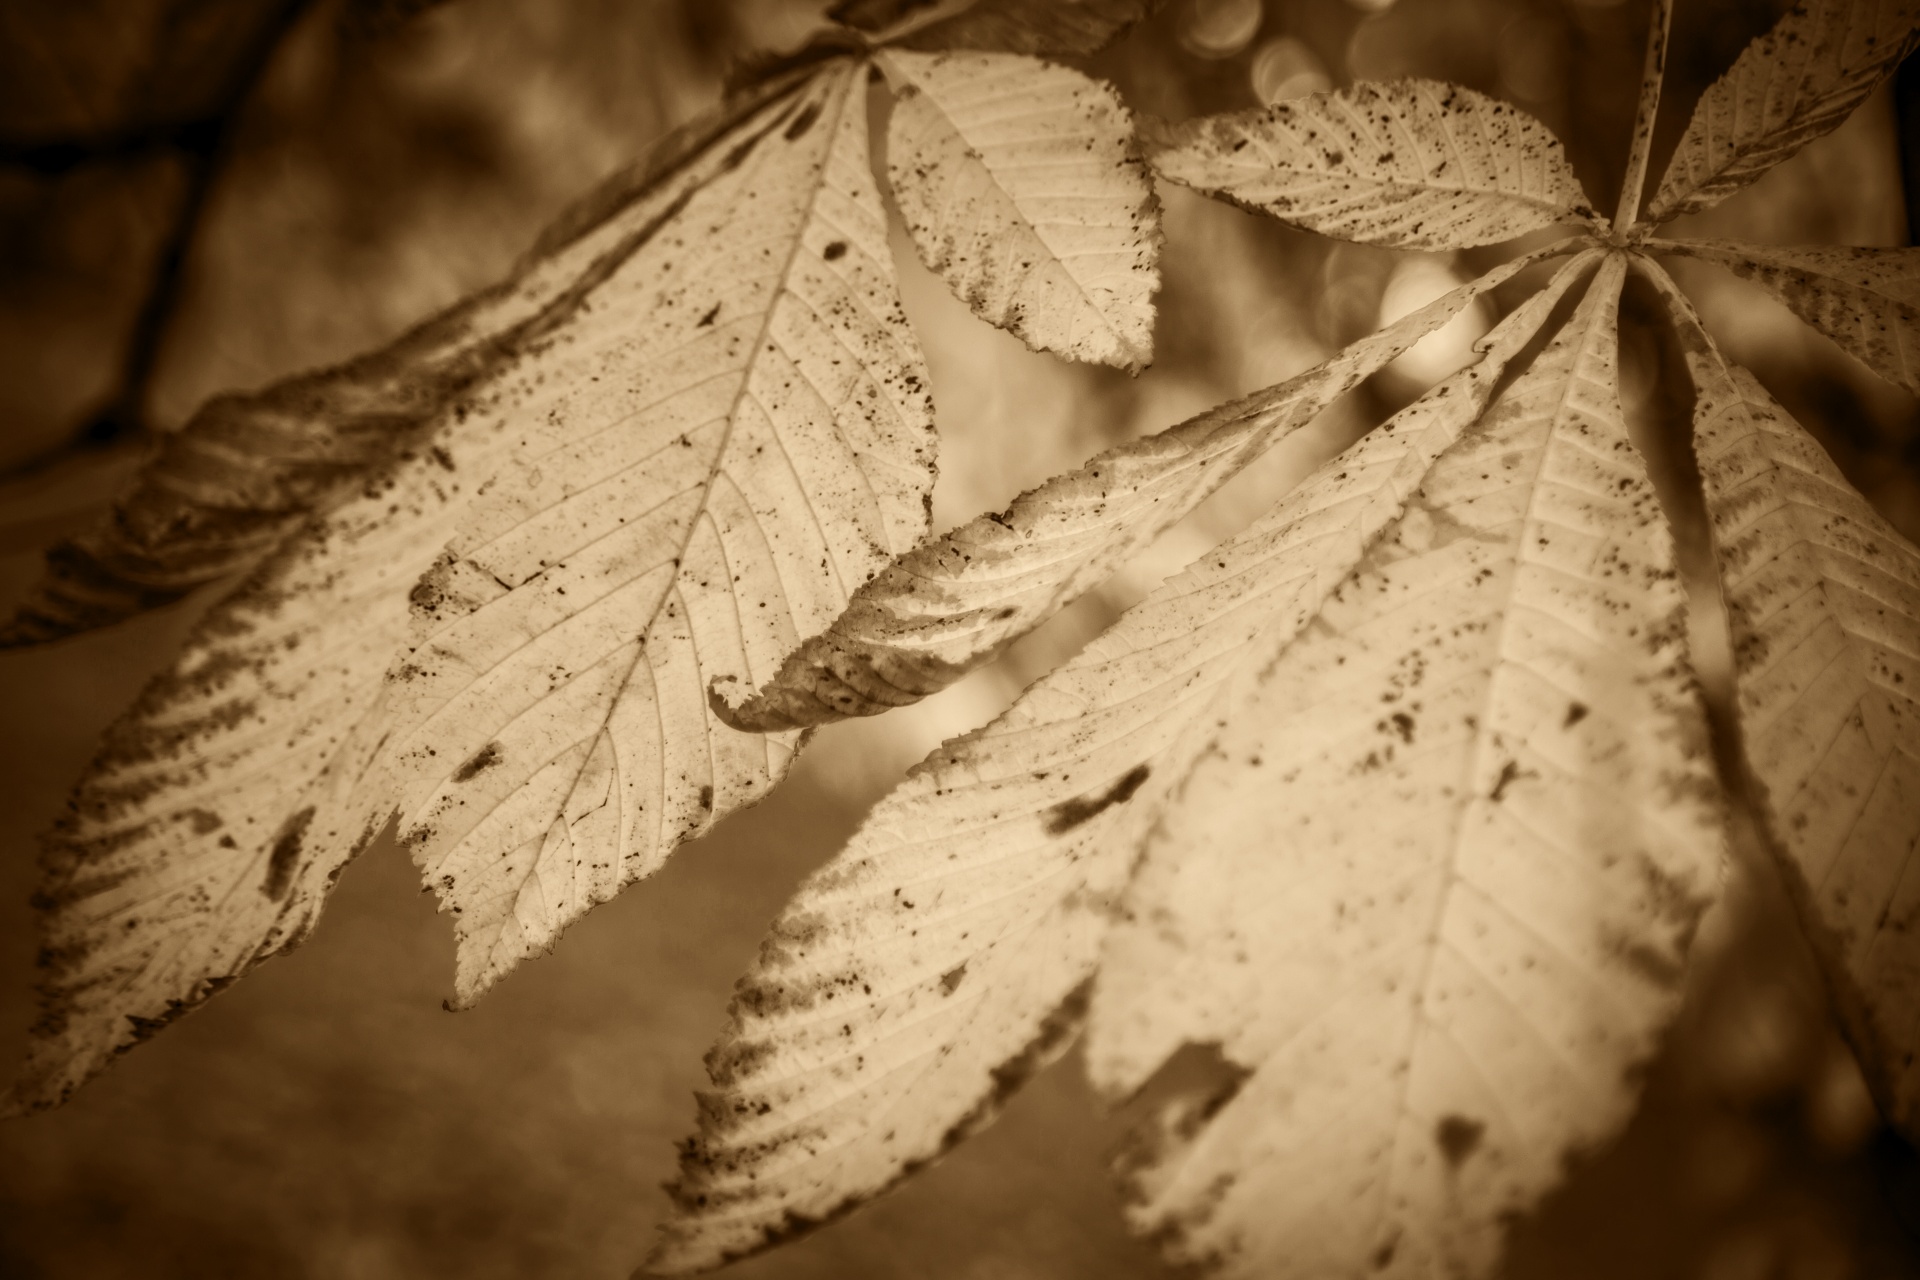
<point x="1867" y="300"/>
<point x="760" y="447"/>
<point x="955" y="602"/>
<point x="922" y="975"/>
<point x="207" y="833"/>
<point x="1800" y="80"/>
<point x="246" y="470"/>
<point x="1823" y="601"/>
<point x="1416" y="164"/>
<point x="1022" y="188"/>
<point x="1432" y="888"/>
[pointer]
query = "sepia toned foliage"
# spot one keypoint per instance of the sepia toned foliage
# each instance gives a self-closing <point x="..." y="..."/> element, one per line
<point x="1401" y="800"/>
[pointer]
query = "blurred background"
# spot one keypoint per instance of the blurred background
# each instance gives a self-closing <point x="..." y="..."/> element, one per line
<point x="204" y="194"/>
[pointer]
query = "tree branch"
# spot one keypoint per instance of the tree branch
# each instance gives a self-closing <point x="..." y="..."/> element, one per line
<point x="205" y="143"/>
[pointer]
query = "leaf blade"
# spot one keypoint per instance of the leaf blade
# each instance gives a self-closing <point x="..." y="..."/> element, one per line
<point x="1436" y="883"/>
<point x="1407" y="163"/>
<point x="1022" y="188"/>
<point x="1797" y="82"/>
<point x="761" y="448"/>
<point x="1823" y="603"/>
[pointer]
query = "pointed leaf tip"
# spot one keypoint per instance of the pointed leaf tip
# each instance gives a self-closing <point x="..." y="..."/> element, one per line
<point x="1797" y="82"/>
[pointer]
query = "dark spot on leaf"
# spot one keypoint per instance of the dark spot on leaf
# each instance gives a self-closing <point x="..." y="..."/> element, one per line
<point x="803" y="121"/>
<point x="204" y="822"/>
<point x="1458" y="1137"/>
<point x="1510" y="773"/>
<point x="483" y="759"/>
<point x="1576" y="712"/>
<point x="950" y="980"/>
<point x="834" y="251"/>
<point x="285" y="854"/>
<point x="1055" y="1034"/>
<point x="1068" y="814"/>
<point x="706" y="798"/>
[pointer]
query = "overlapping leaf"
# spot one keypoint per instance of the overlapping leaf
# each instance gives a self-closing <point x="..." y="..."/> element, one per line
<point x="726" y="476"/>
<point x="221" y="807"/>
<point x="1432" y="887"/>
<point x="1867" y="300"/>
<point x="915" y="981"/>
<point x="1797" y="82"/>
<point x="1409" y="163"/>
<point x="949" y="606"/>
<point x="1022" y="188"/>
<point x="225" y="803"/>
<point x="1823" y="599"/>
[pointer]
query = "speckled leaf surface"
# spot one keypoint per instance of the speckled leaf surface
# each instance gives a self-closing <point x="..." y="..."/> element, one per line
<point x="920" y="977"/>
<point x="1867" y="300"/>
<point x="1432" y="889"/>
<point x="1415" y="164"/>
<point x="1823" y="600"/>
<point x="1797" y="82"/>
<point x="207" y="832"/>
<point x="1022" y="188"/>
<point x="721" y="481"/>
<point x="953" y="603"/>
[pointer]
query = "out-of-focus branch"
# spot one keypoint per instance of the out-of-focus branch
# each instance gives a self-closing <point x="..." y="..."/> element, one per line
<point x="204" y="143"/>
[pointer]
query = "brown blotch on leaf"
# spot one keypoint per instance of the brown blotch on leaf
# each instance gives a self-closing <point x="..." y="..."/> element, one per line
<point x="1068" y="814"/>
<point x="1458" y="1137"/>
<point x="802" y="122"/>
<point x="483" y="759"/>
<point x="950" y="980"/>
<point x="1576" y="712"/>
<point x="1049" y="1042"/>
<point x="835" y="251"/>
<point x="286" y="854"/>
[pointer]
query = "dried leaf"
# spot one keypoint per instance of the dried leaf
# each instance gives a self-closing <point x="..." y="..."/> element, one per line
<point x="722" y="480"/>
<point x="918" y="979"/>
<point x="214" y="821"/>
<point x="1823" y="600"/>
<point x="1867" y="300"/>
<point x="1040" y="28"/>
<point x="1416" y="164"/>
<point x="1020" y="184"/>
<point x="1432" y="888"/>
<point x="954" y="603"/>
<point x="1790" y="86"/>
